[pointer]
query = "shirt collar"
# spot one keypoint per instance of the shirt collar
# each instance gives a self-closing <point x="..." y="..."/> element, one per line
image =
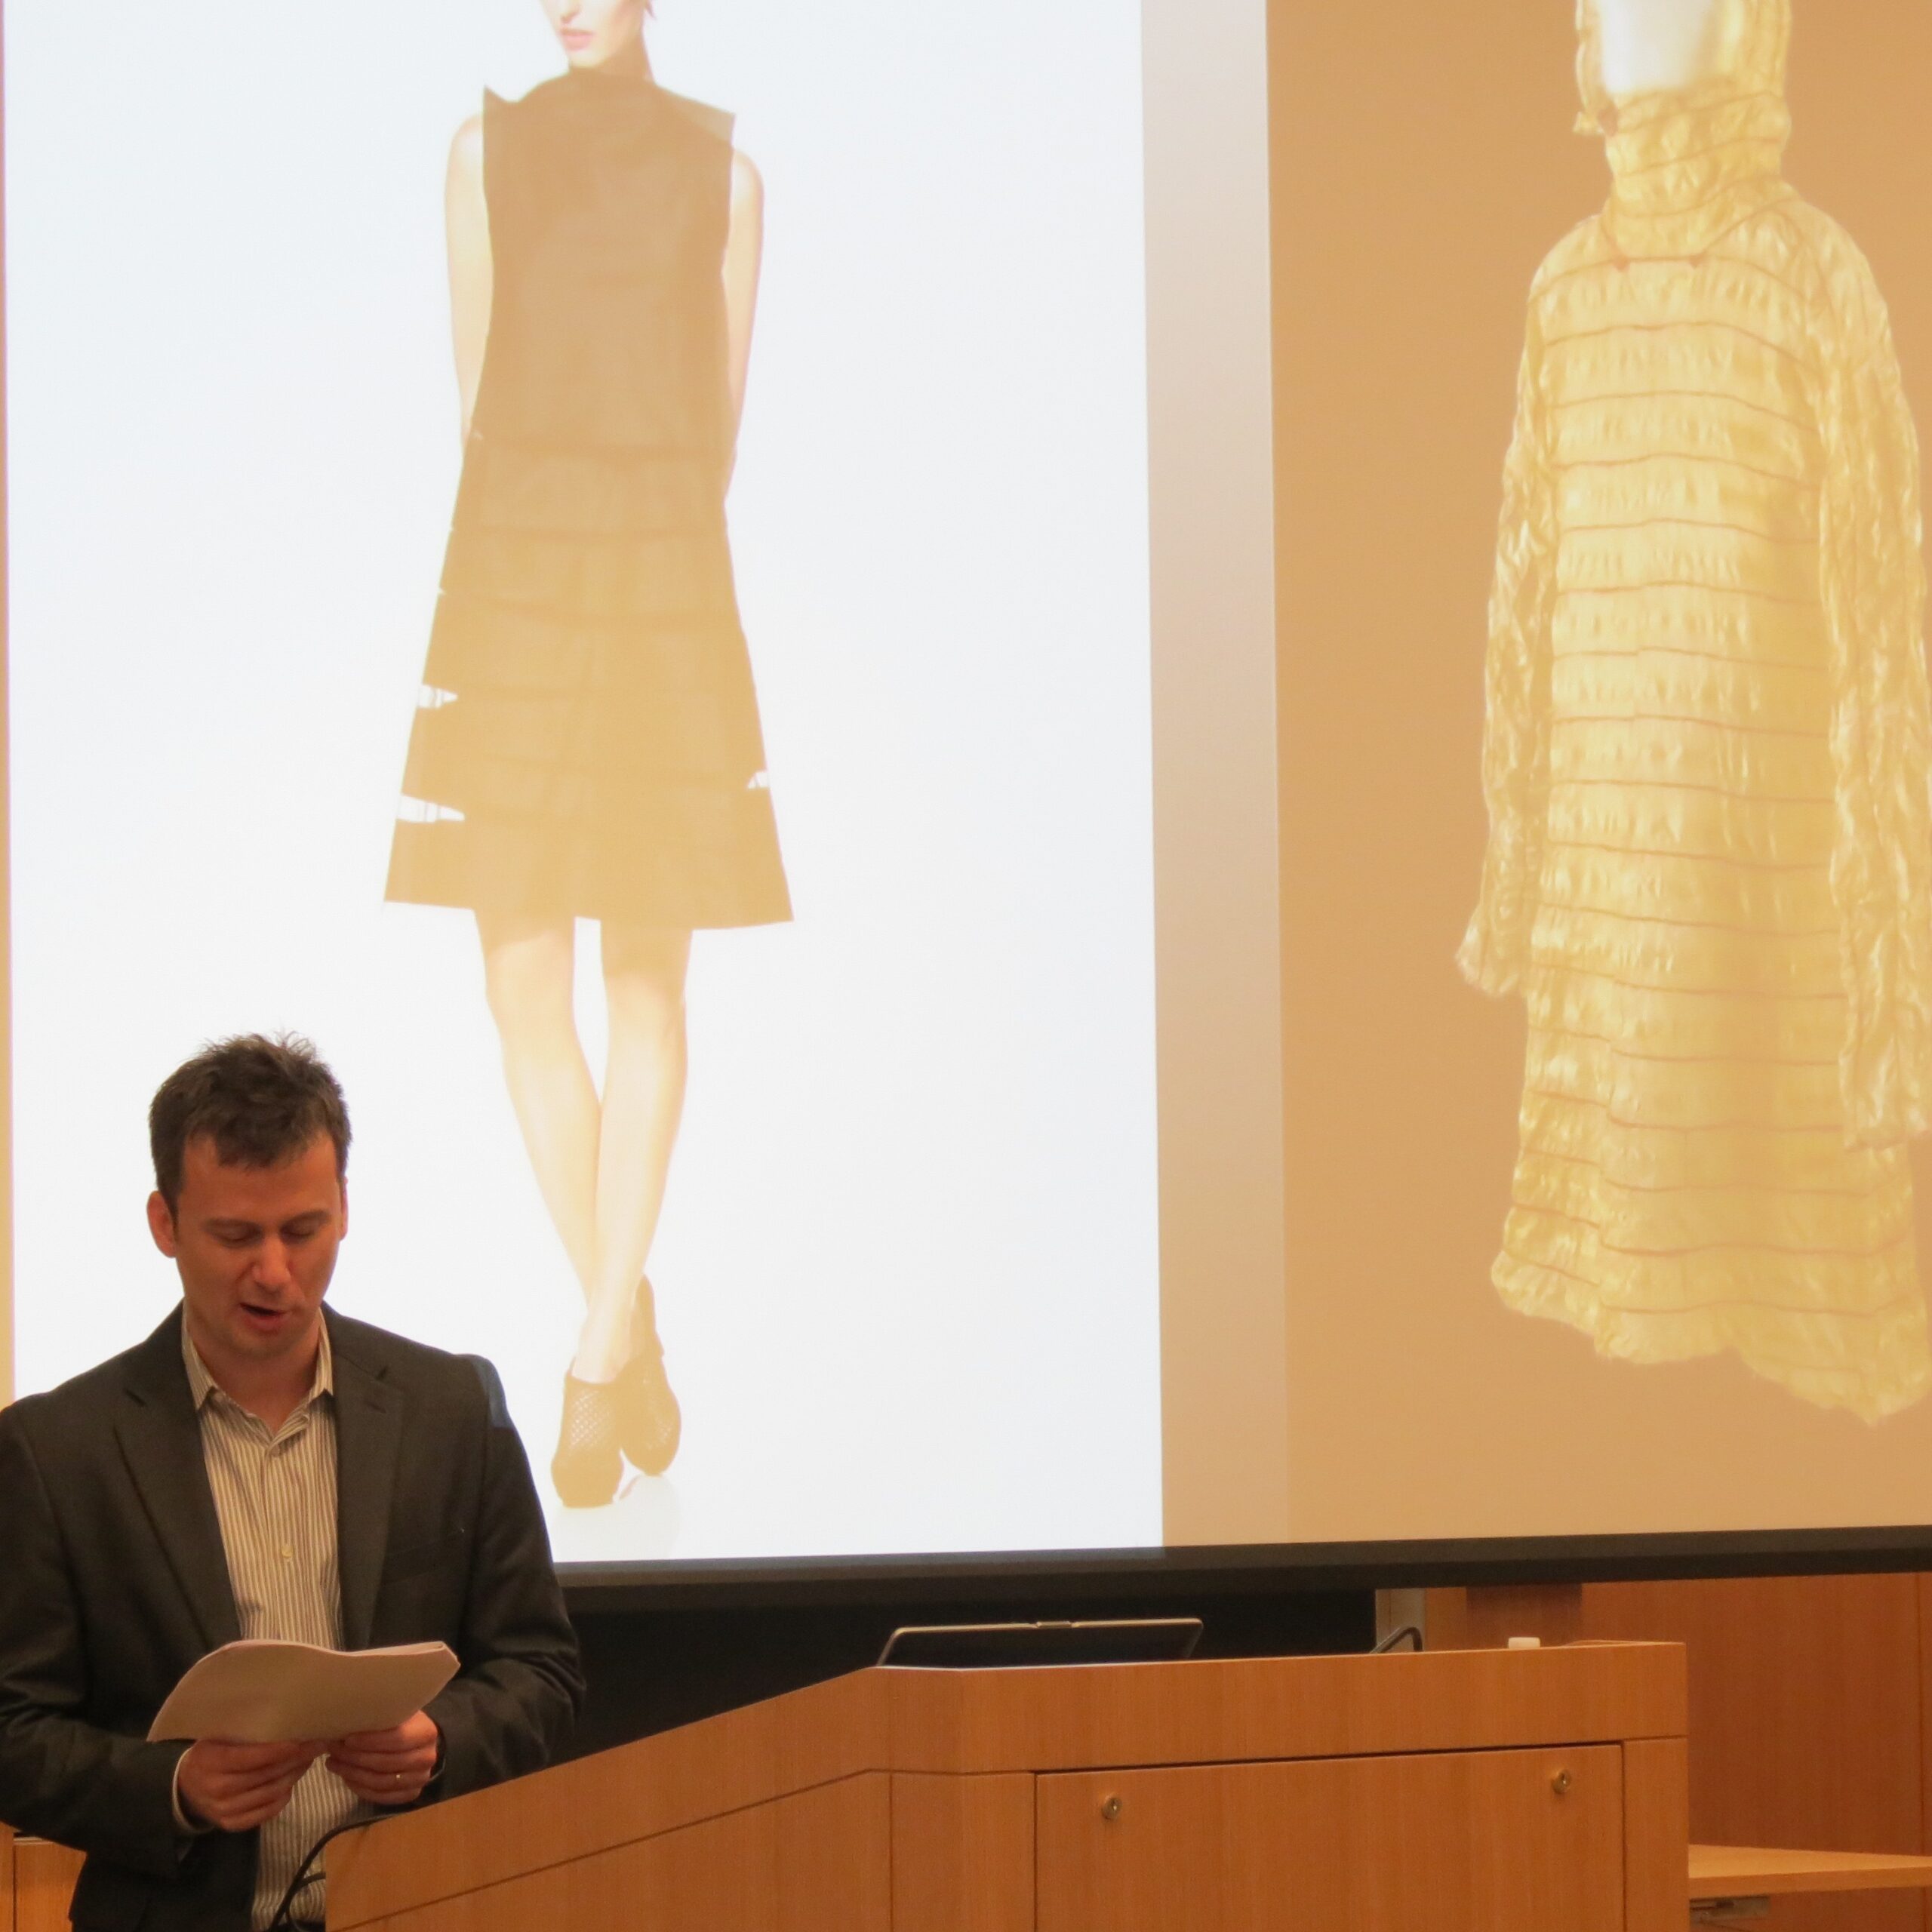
<point x="201" y="1385"/>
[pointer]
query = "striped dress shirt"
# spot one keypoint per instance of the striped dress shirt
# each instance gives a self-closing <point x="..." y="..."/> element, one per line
<point x="275" y="1494"/>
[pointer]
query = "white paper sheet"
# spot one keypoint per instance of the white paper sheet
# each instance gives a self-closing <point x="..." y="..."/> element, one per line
<point x="262" y="1691"/>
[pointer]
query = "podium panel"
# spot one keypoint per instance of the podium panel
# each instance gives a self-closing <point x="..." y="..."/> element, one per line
<point x="44" y="1877"/>
<point x="1466" y="1841"/>
<point x="818" y="1862"/>
<point x="962" y="1852"/>
<point x="1468" y="1790"/>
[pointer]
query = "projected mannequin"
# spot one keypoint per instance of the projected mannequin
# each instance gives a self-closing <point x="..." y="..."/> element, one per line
<point x="588" y="744"/>
<point x="1654" y="46"/>
<point x="1709" y="870"/>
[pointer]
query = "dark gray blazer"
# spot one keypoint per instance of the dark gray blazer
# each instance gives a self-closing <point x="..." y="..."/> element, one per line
<point x="112" y="1582"/>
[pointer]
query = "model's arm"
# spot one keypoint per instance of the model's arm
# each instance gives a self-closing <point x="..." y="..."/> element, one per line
<point x="744" y="256"/>
<point x="466" y="215"/>
<point x="60" y="1776"/>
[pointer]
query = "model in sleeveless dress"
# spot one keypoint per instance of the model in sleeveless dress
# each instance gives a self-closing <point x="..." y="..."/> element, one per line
<point x="587" y="745"/>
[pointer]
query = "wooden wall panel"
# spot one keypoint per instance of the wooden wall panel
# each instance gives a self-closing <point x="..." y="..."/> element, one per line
<point x="1486" y="1619"/>
<point x="1807" y="1710"/>
<point x="1924" y="1714"/>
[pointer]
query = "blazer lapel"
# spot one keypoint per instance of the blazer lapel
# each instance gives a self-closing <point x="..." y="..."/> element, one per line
<point x="368" y="1434"/>
<point x="160" y="1439"/>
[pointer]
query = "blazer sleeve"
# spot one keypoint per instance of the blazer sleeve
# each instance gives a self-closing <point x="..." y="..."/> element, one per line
<point x="512" y="1705"/>
<point x="1495" y="952"/>
<point x="61" y="1777"/>
<point x="1872" y="581"/>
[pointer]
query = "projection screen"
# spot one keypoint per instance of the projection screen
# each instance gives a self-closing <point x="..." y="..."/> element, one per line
<point x="1163" y="766"/>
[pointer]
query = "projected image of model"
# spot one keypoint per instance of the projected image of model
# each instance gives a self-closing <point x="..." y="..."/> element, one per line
<point x="588" y="742"/>
<point x="1709" y="870"/>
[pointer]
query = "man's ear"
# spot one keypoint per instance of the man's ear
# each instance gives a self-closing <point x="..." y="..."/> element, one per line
<point x="342" y="1225"/>
<point x="160" y="1224"/>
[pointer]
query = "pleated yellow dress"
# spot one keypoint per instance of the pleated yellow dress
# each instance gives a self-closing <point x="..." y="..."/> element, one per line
<point x="1709" y="872"/>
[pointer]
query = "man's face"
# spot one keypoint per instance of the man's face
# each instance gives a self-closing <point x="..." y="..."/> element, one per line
<point x="255" y="1248"/>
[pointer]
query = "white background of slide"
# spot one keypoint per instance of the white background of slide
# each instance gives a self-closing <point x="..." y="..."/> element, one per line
<point x="908" y="1275"/>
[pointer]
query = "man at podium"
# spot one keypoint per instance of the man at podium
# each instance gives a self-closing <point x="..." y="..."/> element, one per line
<point x="259" y="1467"/>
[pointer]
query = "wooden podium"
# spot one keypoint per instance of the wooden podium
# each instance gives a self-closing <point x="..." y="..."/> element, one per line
<point x="1473" y="1791"/>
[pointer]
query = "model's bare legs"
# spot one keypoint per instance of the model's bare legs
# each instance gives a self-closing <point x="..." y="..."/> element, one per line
<point x="601" y="1166"/>
<point x="527" y="974"/>
<point x="644" y="1099"/>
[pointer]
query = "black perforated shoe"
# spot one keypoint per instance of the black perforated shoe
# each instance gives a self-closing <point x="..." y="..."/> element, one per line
<point x="650" y="1422"/>
<point x="588" y="1467"/>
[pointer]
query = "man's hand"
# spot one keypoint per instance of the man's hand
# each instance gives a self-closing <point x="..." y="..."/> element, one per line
<point x="388" y="1767"/>
<point x="235" y="1787"/>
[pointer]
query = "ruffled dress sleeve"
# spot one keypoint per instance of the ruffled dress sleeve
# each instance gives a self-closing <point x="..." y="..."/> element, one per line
<point x="1872" y="586"/>
<point x="1495" y="953"/>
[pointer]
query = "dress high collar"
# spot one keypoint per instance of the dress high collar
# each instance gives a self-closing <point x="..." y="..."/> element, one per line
<point x="1687" y="167"/>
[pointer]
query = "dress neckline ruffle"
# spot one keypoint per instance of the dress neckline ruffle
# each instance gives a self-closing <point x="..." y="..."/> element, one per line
<point x="1687" y="166"/>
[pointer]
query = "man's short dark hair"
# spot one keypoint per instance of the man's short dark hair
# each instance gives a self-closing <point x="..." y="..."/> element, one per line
<point x="261" y="1101"/>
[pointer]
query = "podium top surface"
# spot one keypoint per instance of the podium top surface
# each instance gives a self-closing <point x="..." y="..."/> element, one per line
<point x="1733" y="1872"/>
<point x="962" y="1722"/>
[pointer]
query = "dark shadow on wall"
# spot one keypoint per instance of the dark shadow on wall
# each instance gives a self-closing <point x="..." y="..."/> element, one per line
<point x="652" y="1668"/>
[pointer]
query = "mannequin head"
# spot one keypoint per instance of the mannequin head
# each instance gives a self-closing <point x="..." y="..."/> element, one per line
<point x="1628" y="48"/>
<point x="1659" y="46"/>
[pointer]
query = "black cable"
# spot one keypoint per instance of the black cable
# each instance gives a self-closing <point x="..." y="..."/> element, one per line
<point x="1395" y="1638"/>
<point x="305" y="1869"/>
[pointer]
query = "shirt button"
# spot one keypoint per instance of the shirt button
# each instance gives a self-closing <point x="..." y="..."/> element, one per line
<point x="288" y="1552"/>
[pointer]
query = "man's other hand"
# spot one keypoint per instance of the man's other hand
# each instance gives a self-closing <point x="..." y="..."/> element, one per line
<point x="388" y="1767"/>
<point x="235" y="1787"/>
